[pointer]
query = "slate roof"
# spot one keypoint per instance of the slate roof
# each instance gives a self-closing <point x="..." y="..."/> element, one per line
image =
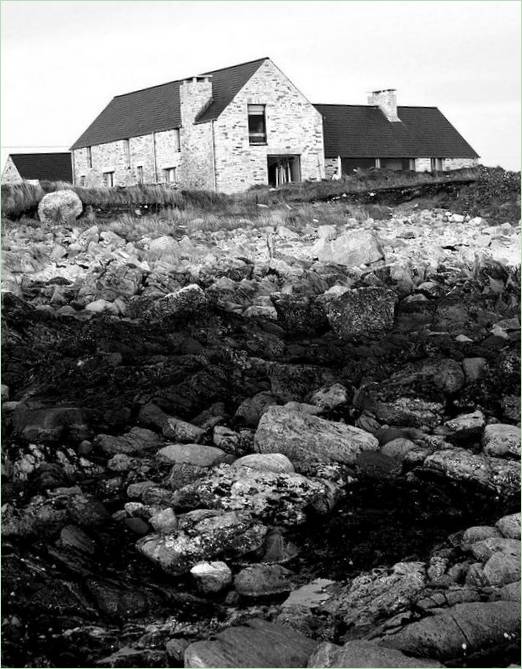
<point x="362" y="131"/>
<point x="43" y="166"/>
<point x="157" y="108"/>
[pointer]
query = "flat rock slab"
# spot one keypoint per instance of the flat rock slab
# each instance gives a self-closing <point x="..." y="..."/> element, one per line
<point x="364" y="654"/>
<point x="257" y="644"/>
<point x="301" y="436"/>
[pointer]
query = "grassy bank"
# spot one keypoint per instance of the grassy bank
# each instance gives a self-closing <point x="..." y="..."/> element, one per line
<point x="19" y="199"/>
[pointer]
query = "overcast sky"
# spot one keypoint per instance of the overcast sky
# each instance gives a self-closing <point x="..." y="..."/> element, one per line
<point x="63" y="61"/>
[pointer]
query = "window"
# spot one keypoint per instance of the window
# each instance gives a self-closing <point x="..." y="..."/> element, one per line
<point x="170" y="175"/>
<point x="177" y="142"/>
<point x="126" y="152"/>
<point x="89" y="156"/>
<point x="436" y="164"/>
<point x="139" y="173"/>
<point x="82" y="180"/>
<point x="108" y="179"/>
<point x="256" y="124"/>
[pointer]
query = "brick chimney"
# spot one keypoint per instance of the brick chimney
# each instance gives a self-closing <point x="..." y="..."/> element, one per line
<point x="195" y="95"/>
<point x="387" y="101"/>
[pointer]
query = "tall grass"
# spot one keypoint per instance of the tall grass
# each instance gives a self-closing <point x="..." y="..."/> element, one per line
<point x="18" y="199"/>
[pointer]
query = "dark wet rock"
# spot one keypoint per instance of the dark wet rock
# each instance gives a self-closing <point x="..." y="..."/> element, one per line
<point x="274" y="498"/>
<point x="227" y="533"/>
<point x="364" y="654"/>
<point x="250" y="410"/>
<point x="87" y="511"/>
<point x="277" y="549"/>
<point x="41" y="517"/>
<point x="331" y="397"/>
<point x="303" y="437"/>
<point x="175" y="649"/>
<point x="398" y="448"/>
<point x="262" y="580"/>
<point x="74" y="537"/>
<point x="299" y="314"/>
<point x="474" y="368"/>
<point x="49" y="424"/>
<point x="295" y="382"/>
<point x="401" y="410"/>
<point x="137" y="441"/>
<point x="445" y="374"/>
<point x="501" y="441"/>
<point x="257" y="644"/>
<point x="364" y="312"/>
<point x="134" y="657"/>
<point x="468" y="630"/>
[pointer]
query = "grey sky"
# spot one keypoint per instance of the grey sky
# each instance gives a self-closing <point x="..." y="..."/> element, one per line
<point x="63" y="61"/>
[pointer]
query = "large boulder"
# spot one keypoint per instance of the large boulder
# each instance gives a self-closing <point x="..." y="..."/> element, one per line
<point x="362" y="312"/>
<point x="256" y="644"/>
<point x="136" y="441"/>
<point x="352" y="248"/>
<point x="183" y="302"/>
<point x="466" y="630"/>
<point x="303" y="437"/>
<point x="364" y="654"/>
<point x="62" y="207"/>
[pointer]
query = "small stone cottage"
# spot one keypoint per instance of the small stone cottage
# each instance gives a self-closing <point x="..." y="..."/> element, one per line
<point x="37" y="167"/>
<point x="233" y="128"/>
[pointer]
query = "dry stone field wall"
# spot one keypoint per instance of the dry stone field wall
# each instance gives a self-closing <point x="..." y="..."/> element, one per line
<point x="263" y="446"/>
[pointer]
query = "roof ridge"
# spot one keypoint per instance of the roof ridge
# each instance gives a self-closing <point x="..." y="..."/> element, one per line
<point x="229" y="67"/>
<point x="340" y="104"/>
<point x="176" y="81"/>
<point x="42" y="153"/>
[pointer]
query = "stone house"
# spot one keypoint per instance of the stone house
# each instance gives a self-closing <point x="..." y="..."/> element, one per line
<point x="37" y="167"/>
<point x="240" y="126"/>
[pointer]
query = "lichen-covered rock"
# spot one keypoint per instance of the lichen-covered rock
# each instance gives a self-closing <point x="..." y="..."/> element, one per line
<point x="352" y="248"/>
<point x="408" y="411"/>
<point x="465" y="426"/>
<point x="330" y="397"/>
<point x="228" y="533"/>
<point x="363" y="312"/>
<point x="509" y="526"/>
<point x="494" y="474"/>
<point x="61" y="207"/>
<point x="137" y="440"/>
<point x="183" y="302"/>
<point x="192" y="454"/>
<point x="266" y="462"/>
<point x="300" y="436"/>
<point x="501" y="441"/>
<point x="179" y="430"/>
<point x="275" y="498"/>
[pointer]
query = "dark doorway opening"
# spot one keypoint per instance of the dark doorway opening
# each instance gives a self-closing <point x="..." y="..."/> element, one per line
<point x="283" y="169"/>
<point x="348" y="165"/>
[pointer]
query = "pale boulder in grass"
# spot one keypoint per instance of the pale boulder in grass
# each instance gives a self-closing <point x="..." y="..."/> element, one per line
<point x="352" y="248"/>
<point x="61" y="206"/>
<point x="302" y="437"/>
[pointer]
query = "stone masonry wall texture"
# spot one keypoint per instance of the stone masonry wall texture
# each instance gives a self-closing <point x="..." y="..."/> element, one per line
<point x="293" y="126"/>
<point x="11" y="175"/>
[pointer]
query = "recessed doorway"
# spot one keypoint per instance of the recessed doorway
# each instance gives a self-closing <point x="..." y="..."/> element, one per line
<point x="283" y="170"/>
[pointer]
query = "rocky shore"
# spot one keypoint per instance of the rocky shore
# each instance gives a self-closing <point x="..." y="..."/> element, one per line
<point x="263" y="446"/>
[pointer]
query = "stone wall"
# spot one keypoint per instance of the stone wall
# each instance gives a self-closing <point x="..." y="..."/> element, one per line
<point x="293" y="126"/>
<point x="331" y="168"/>
<point x="11" y="175"/>
<point x="458" y="163"/>
<point x="114" y="157"/>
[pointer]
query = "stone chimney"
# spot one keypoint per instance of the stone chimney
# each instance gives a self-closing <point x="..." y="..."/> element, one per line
<point x="387" y="101"/>
<point x="195" y="95"/>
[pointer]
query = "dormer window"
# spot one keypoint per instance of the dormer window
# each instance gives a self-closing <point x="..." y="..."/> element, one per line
<point x="256" y="124"/>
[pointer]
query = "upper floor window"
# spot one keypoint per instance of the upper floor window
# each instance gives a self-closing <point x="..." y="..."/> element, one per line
<point x="139" y="173"/>
<point x="256" y="124"/>
<point x="108" y="179"/>
<point x="89" y="156"/>
<point x="82" y="180"/>
<point x="126" y="151"/>
<point x="177" y="143"/>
